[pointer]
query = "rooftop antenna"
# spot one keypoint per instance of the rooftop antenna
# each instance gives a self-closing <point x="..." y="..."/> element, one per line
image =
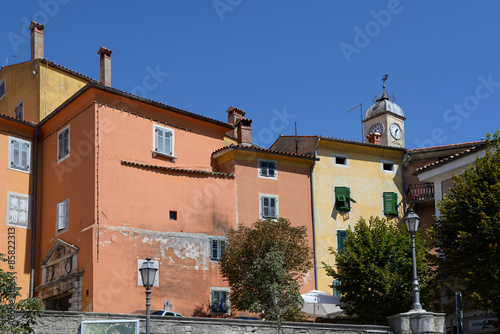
<point x="361" y="113"/>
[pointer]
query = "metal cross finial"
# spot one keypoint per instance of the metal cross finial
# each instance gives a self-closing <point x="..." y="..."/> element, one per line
<point x="384" y="79"/>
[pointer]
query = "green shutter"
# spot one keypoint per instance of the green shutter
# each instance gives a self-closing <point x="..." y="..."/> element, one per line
<point x="390" y="203"/>
<point x="343" y="199"/>
<point x="341" y="234"/>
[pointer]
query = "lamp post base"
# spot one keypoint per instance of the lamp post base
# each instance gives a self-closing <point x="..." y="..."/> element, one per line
<point x="417" y="321"/>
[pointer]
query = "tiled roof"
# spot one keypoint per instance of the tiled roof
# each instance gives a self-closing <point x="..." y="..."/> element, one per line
<point x="443" y="147"/>
<point x="450" y="158"/>
<point x="178" y="170"/>
<point x="346" y="141"/>
<point x="65" y="69"/>
<point x="16" y="120"/>
<point x="264" y="150"/>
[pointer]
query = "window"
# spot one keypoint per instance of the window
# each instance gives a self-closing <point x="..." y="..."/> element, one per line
<point x="2" y="88"/>
<point x="163" y="140"/>
<point x="19" y="154"/>
<point x="219" y="300"/>
<point x="341" y="160"/>
<point x="216" y="248"/>
<point x="343" y="199"/>
<point x="63" y="144"/>
<point x="336" y="291"/>
<point x="390" y="203"/>
<point x="268" y="206"/>
<point x="18" y="210"/>
<point x="173" y="215"/>
<point x="19" y="111"/>
<point x="268" y="169"/>
<point x="63" y="215"/>
<point x="388" y="166"/>
<point x="341" y="234"/>
<point x="139" y="277"/>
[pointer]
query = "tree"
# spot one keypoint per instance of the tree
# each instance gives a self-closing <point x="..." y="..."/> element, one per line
<point x="263" y="265"/>
<point x="375" y="270"/>
<point x="30" y="308"/>
<point x="467" y="233"/>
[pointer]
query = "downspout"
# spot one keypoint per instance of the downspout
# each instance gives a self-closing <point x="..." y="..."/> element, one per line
<point x="33" y="213"/>
<point x="312" y="212"/>
<point x="406" y="161"/>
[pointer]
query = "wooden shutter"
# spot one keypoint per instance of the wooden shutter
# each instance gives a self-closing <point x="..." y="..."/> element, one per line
<point x="214" y="250"/>
<point x="272" y="207"/>
<point x="341" y="198"/>
<point x="62" y="215"/>
<point x="63" y="143"/>
<point x="15" y="152"/>
<point x="25" y="154"/>
<point x="341" y="234"/>
<point x="265" y="207"/>
<point x="390" y="203"/>
<point x="168" y="142"/>
<point x="262" y="166"/>
<point x="271" y="168"/>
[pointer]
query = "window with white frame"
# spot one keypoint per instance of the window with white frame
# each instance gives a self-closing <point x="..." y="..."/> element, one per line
<point x="219" y="300"/>
<point x="19" y="111"/>
<point x="341" y="234"/>
<point x="216" y="247"/>
<point x="163" y="140"/>
<point x="336" y="285"/>
<point x="19" y="154"/>
<point x="63" y="144"/>
<point x="62" y="221"/>
<point x="341" y="160"/>
<point x="157" y="276"/>
<point x="18" y="209"/>
<point x="388" y="166"/>
<point x="268" y="169"/>
<point x="268" y="206"/>
<point x="2" y="88"/>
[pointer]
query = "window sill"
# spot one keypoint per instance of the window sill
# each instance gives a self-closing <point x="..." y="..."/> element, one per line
<point x="163" y="155"/>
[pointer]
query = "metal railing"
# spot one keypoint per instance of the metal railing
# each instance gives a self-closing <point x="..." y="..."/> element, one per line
<point x="420" y="191"/>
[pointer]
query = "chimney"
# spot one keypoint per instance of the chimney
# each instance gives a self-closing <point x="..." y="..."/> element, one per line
<point x="36" y="40"/>
<point x="105" y="65"/>
<point x="244" y="132"/>
<point x="374" y="137"/>
<point x="233" y="116"/>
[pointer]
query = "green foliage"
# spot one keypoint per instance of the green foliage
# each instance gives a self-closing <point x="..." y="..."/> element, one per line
<point x="375" y="270"/>
<point x="467" y="234"/>
<point x="30" y="309"/>
<point x="263" y="265"/>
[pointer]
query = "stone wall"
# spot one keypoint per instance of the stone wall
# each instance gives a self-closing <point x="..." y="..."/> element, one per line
<point x="53" y="322"/>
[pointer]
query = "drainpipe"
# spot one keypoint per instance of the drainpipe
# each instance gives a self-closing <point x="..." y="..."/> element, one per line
<point x="312" y="211"/>
<point x="406" y="161"/>
<point x="33" y="213"/>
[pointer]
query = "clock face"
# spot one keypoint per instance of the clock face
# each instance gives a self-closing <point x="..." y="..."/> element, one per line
<point x="377" y="127"/>
<point x="396" y="131"/>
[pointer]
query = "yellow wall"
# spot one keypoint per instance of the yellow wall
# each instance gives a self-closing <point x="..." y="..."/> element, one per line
<point x="367" y="181"/>
<point x="21" y="85"/>
<point x="56" y="87"/>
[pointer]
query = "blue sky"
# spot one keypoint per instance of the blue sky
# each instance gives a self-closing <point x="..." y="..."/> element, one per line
<point x="285" y="61"/>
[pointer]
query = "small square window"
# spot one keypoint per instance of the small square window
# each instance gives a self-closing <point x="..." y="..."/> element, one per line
<point x="173" y="215"/>
<point x="268" y="169"/>
<point x="63" y="215"/>
<point x="163" y="140"/>
<point x="388" y="166"/>
<point x="2" y="88"/>
<point x="343" y="199"/>
<point x="19" y="111"/>
<point x="341" y="160"/>
<point x="268" y="206"/>
<point x="63" y="143"/>
<point x="216" y="248"/>
<point x="19" y="154"/>
<point x="18" y="210"/>
<point x="390" y="203"/>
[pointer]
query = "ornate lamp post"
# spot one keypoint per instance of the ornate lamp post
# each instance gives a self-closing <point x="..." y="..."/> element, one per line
<point x="148" y="273"/>
<point x="411" y="222"/>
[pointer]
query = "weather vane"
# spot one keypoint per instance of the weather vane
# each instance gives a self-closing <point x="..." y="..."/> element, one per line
<point x="384" y="79"/>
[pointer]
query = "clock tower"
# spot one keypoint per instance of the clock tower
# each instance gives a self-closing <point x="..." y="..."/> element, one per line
<point x="387" y="118"/>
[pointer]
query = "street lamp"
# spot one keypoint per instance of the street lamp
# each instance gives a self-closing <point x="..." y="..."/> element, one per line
<point x="148" y="272"/>
<point x="411" y="222"/>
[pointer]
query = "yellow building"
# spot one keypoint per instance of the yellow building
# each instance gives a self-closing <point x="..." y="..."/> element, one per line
<point x="353" y="179"/>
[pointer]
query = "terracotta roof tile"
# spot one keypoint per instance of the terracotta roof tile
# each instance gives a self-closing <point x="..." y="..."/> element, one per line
<point x="444" y="146"/>
<point x="450" y="158"/>
<point x="264" y="150"/>
<point x="178" y="170"/>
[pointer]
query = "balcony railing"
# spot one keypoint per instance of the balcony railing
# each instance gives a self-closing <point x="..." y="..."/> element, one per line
<point x="420" y="191"/>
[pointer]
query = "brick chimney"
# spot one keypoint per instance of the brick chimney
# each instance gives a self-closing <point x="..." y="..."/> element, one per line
<point x="374" y="138"/>
<point x="36" y="40"/>
<point x="233" y="116"/>
<point x="244" y="132"/>
<point x="105" y="65"/>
